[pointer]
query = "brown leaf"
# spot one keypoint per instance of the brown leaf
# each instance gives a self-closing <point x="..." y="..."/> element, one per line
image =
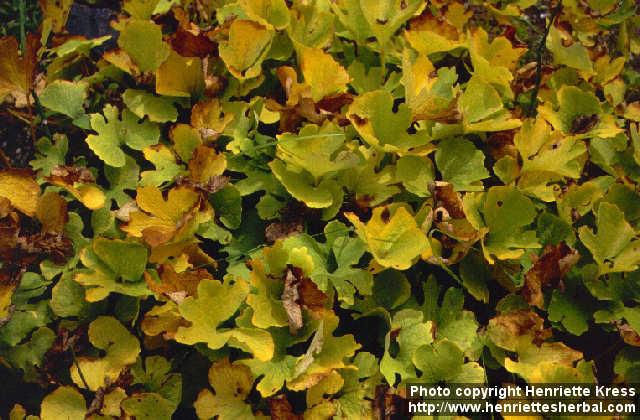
<point x="311" y="297"/>
<point x="190" y="44"/>
<point x="281" y="230"/>
<point x="177" y="286"/>
<point x="501" y="144"/>
<point x="584" y="123"/>
<point x="334" y="103"/>
<point x="57" y="360"/>
<point x="291" y="301"/>
<point x="547" y="272"/>
<point x="19" y="249"/>
<point x="300" y="292"/>
<point x="70" y="174"/>
<point x="17" y="72"/>
<point x="281" y="409"/>
<point x="628" y="334"/>
<point x="514" y="324"/>
<point x="35" y="248"/>
<point x="448" y="199"/>
<point x="388" y="404"/>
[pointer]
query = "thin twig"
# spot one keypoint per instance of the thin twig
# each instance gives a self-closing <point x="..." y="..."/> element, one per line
<point x="23" y="19"/>
<point x="27" y="75"/>
<point x="77" y="365"/>
<point x="533" y="105"/>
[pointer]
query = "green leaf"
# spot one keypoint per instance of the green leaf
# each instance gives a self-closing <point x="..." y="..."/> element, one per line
<point x="318" y="150"/>
<point x="573" y="103"/>
<point x="166" y="167"/>
<point x="142" y="40"/>
<point x="438" y="361"/>
<point x="415" y="173"/>
<point x="393" y="238"/>
<point x="228" y="206"/>
<point x="412" y="334"/>
<point x="63" y="403"/>
<point x="461" y="164"/>
<point x="113" y="132"/>
<point x="575" y="56"/>
<point x="121" y="348"/>
<point x="126" y="259"/>
<point x="50" y="153"/>
<point x="373" y="117"/>
<point x="570" y="313"/>
<point x="205" y="325"/>
<point x="614" y="247"/>
<point x="66" y="98"/>
<point x="507" y="212"/>
<point x="113" y="265"/>
<point x="142" y="104"/>
<point x="246" y="48"/>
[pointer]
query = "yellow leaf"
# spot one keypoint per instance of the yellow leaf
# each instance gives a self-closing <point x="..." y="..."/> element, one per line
<point x="160" y="219"/>
<point x="232" y="384"/>
<point x="324" y="74"/>
<point x="206" y="163"/>
<point x="246" y="48"/>
<point x="88" y="193"/>
<point x="55" y="13"/>
<point x="6" y="295"/>
<point x="395" y="240"/>
<point x="63" y="403"/>
<point x="121" y="349"/>
<point x="180" y="76"/>
<point x="52" y="212"/>
<point x="20" y="189"/>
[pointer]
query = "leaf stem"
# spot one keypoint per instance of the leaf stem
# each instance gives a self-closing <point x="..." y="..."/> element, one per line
<point x="77" y="365"/>
<point x="23" y="19"/>
<point x="533" y="104"/>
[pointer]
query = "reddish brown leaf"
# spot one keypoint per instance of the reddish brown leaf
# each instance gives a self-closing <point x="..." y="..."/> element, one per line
<point x="520" y="323"/>
<point x="174" y="285"/>
<point x="628" y="334"/>
<point x="448" y="199"/>
<point x="299" y="293"/>
<point x="547" y="272"/>
<point x="281" y="230"/>
<point x="281" y="409"/>
<point x="188" y="44"/>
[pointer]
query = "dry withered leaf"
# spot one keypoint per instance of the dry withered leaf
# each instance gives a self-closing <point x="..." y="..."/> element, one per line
<point x="547" y="272"/>
<point x="215" y="183"/>
<point x="290" y="300"/>
<point x="300" y="292"/>
<point x="71" y="174"/>
<point x="448" y="199"/>
<point x="281" y="409"/>
<point x="174" y="285"/>
<point x="520" y="323"/>
<point x="20" y="248"/>
<point x="17" y="72"/>
<point x="628" y="334"/>
<point x="387" y="404"/>
<point x="281" y="230"/>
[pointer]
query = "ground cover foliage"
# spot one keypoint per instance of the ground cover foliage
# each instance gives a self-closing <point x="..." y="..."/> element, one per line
<point x="289" y="209"/>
